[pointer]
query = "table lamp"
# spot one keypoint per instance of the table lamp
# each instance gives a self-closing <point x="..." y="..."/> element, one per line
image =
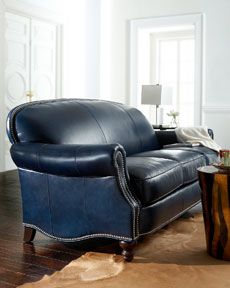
<point x="156" y="95"/>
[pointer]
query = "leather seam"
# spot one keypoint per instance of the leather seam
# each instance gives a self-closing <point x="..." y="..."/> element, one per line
<point x="156" y="175"/>
<point x="78" y="171"/>
<point x="190" y="181"/>
<point x="49" y="199"/>
<point x="38" y="155"/>
<point x="88" y="110"/>
<point x="182" y="163"/>
<point x="141" y="144"/>
<point x="85" y="205"/>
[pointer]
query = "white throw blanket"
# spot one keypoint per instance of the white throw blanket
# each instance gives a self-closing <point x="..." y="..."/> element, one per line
<point x="196" y="135"/>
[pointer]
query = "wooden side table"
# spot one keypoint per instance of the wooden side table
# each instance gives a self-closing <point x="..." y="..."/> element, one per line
<point x="215" y="196"/>
<point x="163" y="127"/>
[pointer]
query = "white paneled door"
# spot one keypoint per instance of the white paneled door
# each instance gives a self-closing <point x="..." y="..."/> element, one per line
<point x="43" y="60"/>
<point x="17" y="59"/>
<point x="30" y="64"/>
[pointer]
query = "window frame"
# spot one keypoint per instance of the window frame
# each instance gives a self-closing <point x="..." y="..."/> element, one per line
<point x="156" y="41"/>
<point x="149" y="24"/>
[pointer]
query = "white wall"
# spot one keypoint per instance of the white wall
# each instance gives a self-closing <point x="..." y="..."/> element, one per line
<point x="74" y="39"/>
<point x="217" y="58"/>
<point x="81" y="46"/>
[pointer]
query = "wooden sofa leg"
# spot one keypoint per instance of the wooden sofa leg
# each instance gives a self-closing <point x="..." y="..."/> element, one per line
<point x="29" y="234"/>
<point x="127" y="250"/>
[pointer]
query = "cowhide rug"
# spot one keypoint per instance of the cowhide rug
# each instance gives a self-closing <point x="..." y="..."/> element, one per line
<point x="174" y="257"/>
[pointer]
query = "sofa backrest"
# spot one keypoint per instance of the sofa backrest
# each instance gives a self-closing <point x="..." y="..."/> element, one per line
<point x="81" y="121"/>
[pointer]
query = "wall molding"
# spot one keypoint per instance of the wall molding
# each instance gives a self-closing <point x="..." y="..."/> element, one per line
<point x="33" y="10"/>
<point x="215" y="109"/>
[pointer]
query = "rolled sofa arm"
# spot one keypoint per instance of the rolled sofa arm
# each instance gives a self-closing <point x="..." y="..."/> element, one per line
<point x="67" y="160"/>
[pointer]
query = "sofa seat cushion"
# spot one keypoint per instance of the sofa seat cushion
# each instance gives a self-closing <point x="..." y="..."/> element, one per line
<point x="152" y="178"/>
<point x="211" y="156"/>
<point x="188" y="160"/>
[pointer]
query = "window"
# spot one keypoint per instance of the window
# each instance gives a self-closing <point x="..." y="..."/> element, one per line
<point x="173" y="65"/>
<point x="168" y="50"/>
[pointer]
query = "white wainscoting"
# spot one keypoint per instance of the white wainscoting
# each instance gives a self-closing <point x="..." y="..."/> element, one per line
<point x="218" y="119"/>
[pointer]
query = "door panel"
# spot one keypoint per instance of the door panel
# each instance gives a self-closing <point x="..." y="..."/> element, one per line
<point x="17" y="59"/>
<point x="43" y="60"/>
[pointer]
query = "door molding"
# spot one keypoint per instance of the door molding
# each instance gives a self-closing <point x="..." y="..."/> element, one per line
<point x="29" y="9"/>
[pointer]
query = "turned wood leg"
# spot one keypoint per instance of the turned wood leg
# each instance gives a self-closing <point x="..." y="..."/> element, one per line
<point x="127" y="250"/>
<point x="29" y="234"/>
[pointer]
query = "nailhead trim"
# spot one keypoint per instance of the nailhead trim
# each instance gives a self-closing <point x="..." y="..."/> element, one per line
<point x="97" y="235"/>
<point x="126" y="192"/>
<point x="11" y="121"/>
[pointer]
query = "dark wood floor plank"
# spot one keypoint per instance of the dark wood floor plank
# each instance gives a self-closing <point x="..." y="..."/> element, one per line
<point x="15" y="278"/>
<point x="35" y="259"/>
<point x="25" y="268"/>
<point x="37" y="251"/>
<point x="8" y="245"/>
<point x="44" y="247"/>
<point x="4" y="284"/>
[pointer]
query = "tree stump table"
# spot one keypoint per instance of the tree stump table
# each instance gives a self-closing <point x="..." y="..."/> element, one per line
<point x="215" y="196"/>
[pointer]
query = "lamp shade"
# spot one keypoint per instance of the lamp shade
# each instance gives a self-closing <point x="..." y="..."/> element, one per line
<point x="156" y="95"/>
<point x="151" y="94"/>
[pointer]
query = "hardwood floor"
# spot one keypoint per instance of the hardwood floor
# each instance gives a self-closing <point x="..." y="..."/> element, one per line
<point x="21" y="263"/>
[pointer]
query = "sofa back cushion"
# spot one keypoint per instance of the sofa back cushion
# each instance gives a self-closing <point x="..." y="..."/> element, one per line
<point x="81" y="121"/>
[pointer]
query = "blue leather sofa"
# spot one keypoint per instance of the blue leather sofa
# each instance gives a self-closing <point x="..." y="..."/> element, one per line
<point x="92" y="168"/>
